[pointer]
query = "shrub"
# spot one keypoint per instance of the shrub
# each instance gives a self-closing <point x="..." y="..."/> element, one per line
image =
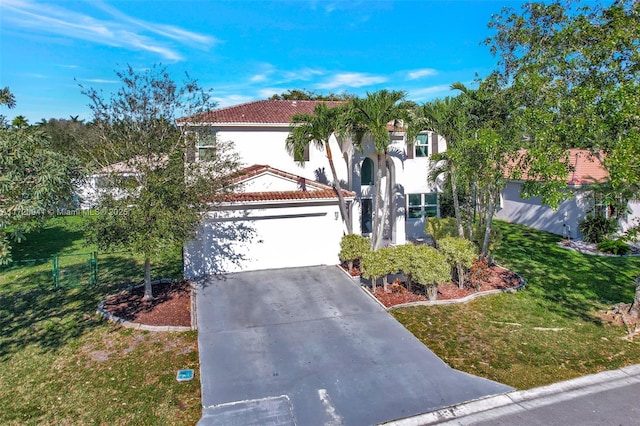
<point x="441" y="227"/>
<point x="460" y="254"/>
<point x="352" y="248"/>
<point x="376" y="264"/>
<point x="406" y="256"/>
<point x="596" y="228"/>
<point x="618" y="247"/>
<point x="431" y="269"/>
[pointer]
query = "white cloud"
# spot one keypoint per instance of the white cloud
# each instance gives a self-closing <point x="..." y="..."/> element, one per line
<point x="425" y="72"/>
<point x="304" y="74"/>
<point x="100" y="81"/>
<point x="230" y="100"/>
<point x="429" y="92"/>
<point x="124" y="32"/>
<point x="352" y="79"/>
<point x="258" y="78"/>
<point x="267" y="92"/>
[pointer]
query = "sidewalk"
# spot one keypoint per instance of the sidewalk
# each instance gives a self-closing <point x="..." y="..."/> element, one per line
<point x="610" y="397"/>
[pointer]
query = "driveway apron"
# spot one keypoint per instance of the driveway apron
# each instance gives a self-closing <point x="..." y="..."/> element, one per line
<point x="307" y="346"/>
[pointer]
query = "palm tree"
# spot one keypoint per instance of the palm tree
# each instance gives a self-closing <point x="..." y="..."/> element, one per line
<point x="20" y="122"/>
<point x="317" y="128"/>
<point x="489" y="144"/>
<point x="447" y="118"/>
<point x="372" y="115"/>
<point x="7" y="98"/>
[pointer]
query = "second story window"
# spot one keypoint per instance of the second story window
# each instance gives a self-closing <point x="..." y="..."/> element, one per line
<point x="425" y="145"/>
<point x="422" y="145"/>
<point x="207" y="146"/>
<point x="366" y="172"/>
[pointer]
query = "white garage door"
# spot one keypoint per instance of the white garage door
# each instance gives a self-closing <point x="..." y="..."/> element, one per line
<point x="275" y="237"/>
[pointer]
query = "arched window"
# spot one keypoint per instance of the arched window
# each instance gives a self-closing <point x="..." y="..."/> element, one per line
<point x="366" y="172"/>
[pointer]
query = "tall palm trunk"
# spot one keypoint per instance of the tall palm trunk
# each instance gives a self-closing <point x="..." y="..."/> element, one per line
<point x="336" y="185"/>
<point x="456" y="202"/>
<point x="489" y="223"/>
<point x="378" y="211"/>
<point x="148" y="291"/>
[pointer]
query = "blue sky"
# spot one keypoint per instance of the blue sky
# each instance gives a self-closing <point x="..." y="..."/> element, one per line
<point x="242" y="50"/>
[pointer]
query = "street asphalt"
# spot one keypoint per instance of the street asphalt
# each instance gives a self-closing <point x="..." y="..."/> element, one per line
<point x="308" y="346"/>
<point x="607" y="398"/>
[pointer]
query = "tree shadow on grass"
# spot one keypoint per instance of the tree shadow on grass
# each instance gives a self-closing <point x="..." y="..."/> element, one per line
<point x="48" y="319"/>
<point x="32" y="313"/>
<point x="569" y="283"/>
<point x="57" y="235"/>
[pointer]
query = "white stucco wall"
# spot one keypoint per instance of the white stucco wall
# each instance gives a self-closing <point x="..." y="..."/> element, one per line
<point x="272" y="236"/>
<point x="631" y="218"/>
<point x="532" y="213"/>
<point x="267" y="146"/>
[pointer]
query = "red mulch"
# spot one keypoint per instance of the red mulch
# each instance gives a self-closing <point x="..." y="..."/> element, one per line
<point x="500" y="279"/>
<point x="171" y="305"/>
<point x="172" y="301"/>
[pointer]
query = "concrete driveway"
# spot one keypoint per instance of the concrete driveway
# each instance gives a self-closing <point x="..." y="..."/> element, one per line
<point x="307" y="346"/>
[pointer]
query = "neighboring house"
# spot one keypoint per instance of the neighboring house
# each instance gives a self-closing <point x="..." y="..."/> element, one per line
<point x="586" y="170"/>
<point x="259" y="131"/>
<point x="97" y="183"/>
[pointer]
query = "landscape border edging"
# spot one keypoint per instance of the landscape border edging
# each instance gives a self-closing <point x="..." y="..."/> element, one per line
<point x="137" y="326"/>
<point x="465" y="299"/>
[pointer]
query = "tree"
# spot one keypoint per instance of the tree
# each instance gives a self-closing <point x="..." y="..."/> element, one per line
<point x="71" y="137"/>
<point x="431" y="269"/>
<point x="482" y="158"/>
<point x="352" y="248"/>
<point x="20" y="122"/>
<point x="460" y="254"/>
<point x="7" y="98"/>
<point x="447" y="117"/>
<point x="372" y="116"/>
<point x="317" y="129"/>
<point x="160" y="202"/>
<point x="34" y="181"/>
<point x="378" y="264"/>
<point x="575" y="81"/>
<point x="310" y="95"/>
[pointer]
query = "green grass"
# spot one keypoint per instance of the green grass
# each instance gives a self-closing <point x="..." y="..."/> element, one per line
<point x="544" y="334"/>
<point x="62" y="364"/>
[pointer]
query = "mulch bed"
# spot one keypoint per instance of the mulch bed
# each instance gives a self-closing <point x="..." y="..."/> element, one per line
<point x="500" y="279"/>
<point x="171" y="305"/>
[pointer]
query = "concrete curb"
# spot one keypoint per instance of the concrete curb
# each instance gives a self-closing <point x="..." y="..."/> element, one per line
<point x="355" y="279"/>
<point x="137" y="326"/>
<point x="519" y="401"/>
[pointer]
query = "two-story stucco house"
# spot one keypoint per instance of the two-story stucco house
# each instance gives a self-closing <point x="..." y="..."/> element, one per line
<point x="290" y="214"/>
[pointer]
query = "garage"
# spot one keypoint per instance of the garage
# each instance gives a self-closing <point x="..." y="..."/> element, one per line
<point x="275" y="220"/>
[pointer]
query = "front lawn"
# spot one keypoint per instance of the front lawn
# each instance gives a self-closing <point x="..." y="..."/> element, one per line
<point x="62" y="364"/>
<point x="544" y="334"/>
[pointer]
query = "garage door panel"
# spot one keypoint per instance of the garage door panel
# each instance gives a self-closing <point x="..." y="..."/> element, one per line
<point x="278" y="239"/>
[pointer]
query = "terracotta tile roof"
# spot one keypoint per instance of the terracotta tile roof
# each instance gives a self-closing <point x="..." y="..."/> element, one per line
<point x="586" y="168"/>
<point x="263" y="112"/>
<point x="311" y="189"/>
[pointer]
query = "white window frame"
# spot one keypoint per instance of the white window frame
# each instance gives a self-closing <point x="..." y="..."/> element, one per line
<point x="419" y="144"/>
